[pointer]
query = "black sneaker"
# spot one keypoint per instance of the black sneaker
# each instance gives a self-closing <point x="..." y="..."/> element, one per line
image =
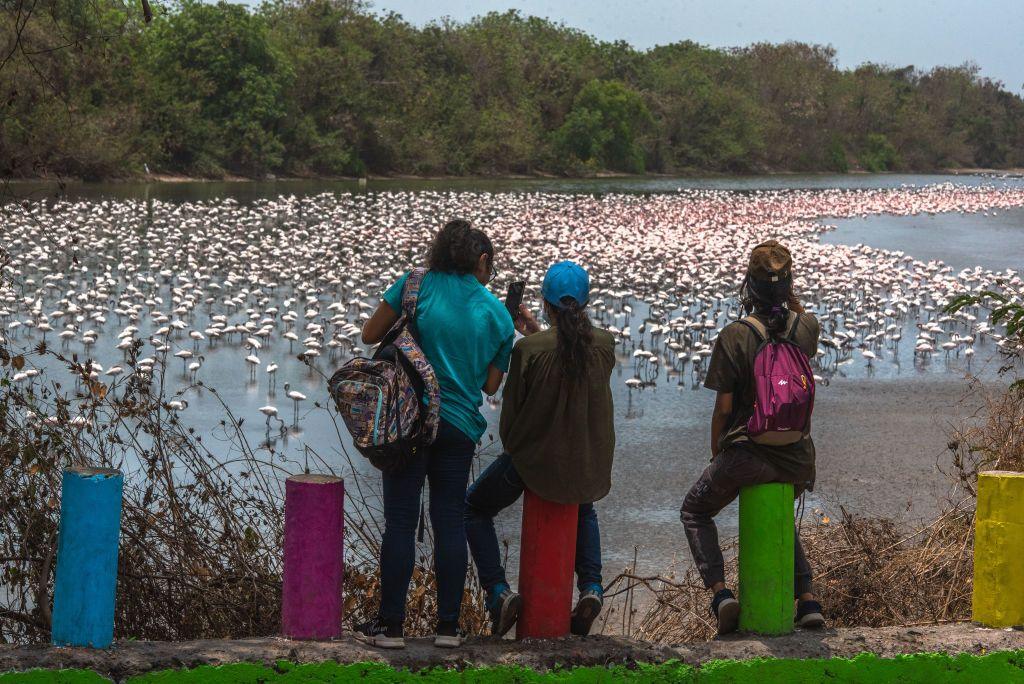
<point x="504" y="610"/>
<point x="726" y="610"/>
<point x="808" y="615"/>
<point x="381" y="633"/>
<point x="587" y="609"/>
<point x="448" y="635"/>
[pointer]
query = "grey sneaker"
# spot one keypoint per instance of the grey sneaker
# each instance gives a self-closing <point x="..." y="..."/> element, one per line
<point x="726" y="610"/>
<point x="587" y="609"/>
<point x="808" y="615"/>
<point x="504" y="610"/>
<point x="381" y="633"/>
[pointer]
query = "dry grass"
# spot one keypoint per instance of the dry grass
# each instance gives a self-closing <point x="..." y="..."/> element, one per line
<point x="867" y="571"/>
<point x="201" y="535"/>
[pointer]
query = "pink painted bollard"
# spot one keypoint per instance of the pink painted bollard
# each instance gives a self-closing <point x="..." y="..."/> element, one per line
<point x="314" y="546"/>
<point x="547" y="557"/>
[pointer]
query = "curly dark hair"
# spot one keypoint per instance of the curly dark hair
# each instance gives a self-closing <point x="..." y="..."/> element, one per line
<point x="575" y="335"/>
<point x="457" y="248"/>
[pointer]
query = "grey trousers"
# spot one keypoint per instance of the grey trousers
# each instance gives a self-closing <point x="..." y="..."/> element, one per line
<point x="718" y="485"/>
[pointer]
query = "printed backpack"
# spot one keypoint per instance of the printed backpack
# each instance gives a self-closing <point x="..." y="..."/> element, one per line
<point x="390" y="403"/>
<point x="783" y="387"/>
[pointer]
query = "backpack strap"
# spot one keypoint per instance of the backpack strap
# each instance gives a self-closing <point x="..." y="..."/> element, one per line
<point x="761" y="331"/>
<point x="757" y="326"/>
<point x="794" y="322"/>
<point x="411" y="292"/>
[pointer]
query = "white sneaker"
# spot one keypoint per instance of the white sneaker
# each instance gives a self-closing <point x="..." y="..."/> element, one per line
<point x="448" y="635"/>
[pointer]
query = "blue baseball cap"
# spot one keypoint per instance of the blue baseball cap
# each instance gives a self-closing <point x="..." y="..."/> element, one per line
<point x="566" y="279"/>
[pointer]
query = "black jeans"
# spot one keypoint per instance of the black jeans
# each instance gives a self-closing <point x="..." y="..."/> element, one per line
<point x="718" y="485"/>
<point x="497" y="488"/>
<point x="446" y="465"/>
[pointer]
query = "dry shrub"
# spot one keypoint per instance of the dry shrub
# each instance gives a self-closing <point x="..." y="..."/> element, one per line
<point x="870" y="572"/>
<point x="866" y="572"/>
<point x="201" y="534"/>
<point x="991" y="438"/>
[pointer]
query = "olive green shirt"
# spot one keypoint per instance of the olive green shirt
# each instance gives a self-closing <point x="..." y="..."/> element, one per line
<point x="732" y="370"/>
<point x="560" y="434"/>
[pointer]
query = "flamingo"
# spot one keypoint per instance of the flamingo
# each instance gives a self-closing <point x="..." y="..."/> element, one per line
<point x="296" y="397"/>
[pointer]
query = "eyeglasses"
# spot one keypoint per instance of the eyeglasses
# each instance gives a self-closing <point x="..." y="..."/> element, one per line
<point x="494" y="273"/>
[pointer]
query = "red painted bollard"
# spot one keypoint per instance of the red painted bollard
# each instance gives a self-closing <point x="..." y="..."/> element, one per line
<point x="547" y="559"/>
<point x="314" y="519"/>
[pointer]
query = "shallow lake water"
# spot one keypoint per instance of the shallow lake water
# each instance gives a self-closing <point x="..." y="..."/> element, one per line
<point x="879" y="429"/>
<point x="992" y="240"/>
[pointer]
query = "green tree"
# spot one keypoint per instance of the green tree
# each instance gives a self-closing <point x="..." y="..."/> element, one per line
<point x="604" y="127"/>
<point x="327" y="87"/>
<point x="216" y="89"/>
<point x="878" y="153"/>
<point x="703" y="122"/>
<point x="328" y="95"/>
<point x="68" y="90"/>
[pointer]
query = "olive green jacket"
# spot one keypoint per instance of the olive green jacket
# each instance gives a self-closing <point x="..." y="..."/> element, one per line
<point x="560" y="434"/>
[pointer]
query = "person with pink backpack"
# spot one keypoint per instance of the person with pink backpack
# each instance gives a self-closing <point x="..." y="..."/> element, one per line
<point x="760" y="427"/>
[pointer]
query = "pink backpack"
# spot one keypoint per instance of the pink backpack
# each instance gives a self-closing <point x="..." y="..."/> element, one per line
<point x="783" y="387"/>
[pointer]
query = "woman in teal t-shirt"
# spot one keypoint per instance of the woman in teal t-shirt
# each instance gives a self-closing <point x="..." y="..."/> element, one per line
<point x="467" y="335"/>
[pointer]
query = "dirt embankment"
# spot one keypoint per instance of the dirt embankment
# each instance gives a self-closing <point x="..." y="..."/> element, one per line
<point x="128" y="658"/>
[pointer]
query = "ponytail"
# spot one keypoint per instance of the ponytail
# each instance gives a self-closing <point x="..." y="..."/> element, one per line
<point x="575" y="334"/>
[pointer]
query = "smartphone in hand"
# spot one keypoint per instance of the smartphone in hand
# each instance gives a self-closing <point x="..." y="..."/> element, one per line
<point x="514" y="297"/>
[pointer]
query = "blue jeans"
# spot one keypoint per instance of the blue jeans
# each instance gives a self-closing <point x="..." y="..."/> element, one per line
<point x="445" y="464"/>
<point x="497" y="488"/>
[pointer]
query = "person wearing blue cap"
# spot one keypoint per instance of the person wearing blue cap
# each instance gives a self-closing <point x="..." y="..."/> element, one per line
<point x="558" y="436"/>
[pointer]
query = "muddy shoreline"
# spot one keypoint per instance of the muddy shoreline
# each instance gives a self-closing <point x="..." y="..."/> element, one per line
<point x="128" y="658"/>
<point x="233" y="178"/>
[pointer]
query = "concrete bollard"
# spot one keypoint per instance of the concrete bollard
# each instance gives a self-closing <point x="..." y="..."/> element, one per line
<point x="766" y="558"/>
<point x="998" y="597"/>
<point x="314" y="548"/>
<point x="86" y="577"/>
<point x="547" y="560"/>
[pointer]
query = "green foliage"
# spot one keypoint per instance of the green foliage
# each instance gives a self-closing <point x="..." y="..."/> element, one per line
<point x="603" y="127"/>
<point x="1003" y="309"/>
<point x="835" y="156"/>
<point x="325" y="87"/>
<point x="215" y="89"/>
<point x="878" y="153"/>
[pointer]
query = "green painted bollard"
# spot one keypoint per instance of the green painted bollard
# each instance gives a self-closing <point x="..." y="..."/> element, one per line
<point x="766" y="558"/>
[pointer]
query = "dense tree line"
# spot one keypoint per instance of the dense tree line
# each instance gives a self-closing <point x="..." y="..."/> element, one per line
<point x="327" y="87"/>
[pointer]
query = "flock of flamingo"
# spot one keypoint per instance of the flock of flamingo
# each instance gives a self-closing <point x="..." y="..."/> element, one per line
<point x="145" y="285"/>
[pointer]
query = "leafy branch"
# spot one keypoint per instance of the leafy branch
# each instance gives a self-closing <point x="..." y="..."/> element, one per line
<point x="1005" y="308"/>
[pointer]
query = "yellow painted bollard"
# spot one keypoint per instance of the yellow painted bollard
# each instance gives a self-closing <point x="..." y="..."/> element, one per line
<point x="998" y="599"/>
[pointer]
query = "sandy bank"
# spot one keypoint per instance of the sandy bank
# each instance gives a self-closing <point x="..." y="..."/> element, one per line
<point x="128" y="658"/>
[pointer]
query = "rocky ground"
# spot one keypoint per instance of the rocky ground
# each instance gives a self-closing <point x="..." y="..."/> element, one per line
<point x="127" y="658"/>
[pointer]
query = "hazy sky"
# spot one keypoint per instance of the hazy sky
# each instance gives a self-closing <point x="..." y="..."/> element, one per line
<point x="924" y="33"/>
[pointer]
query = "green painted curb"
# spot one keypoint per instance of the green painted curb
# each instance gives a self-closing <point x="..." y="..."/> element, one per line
<point x="867" y="668"/>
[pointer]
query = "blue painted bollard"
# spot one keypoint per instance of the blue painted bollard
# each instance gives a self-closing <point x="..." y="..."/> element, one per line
<point x="90" y="522"/>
